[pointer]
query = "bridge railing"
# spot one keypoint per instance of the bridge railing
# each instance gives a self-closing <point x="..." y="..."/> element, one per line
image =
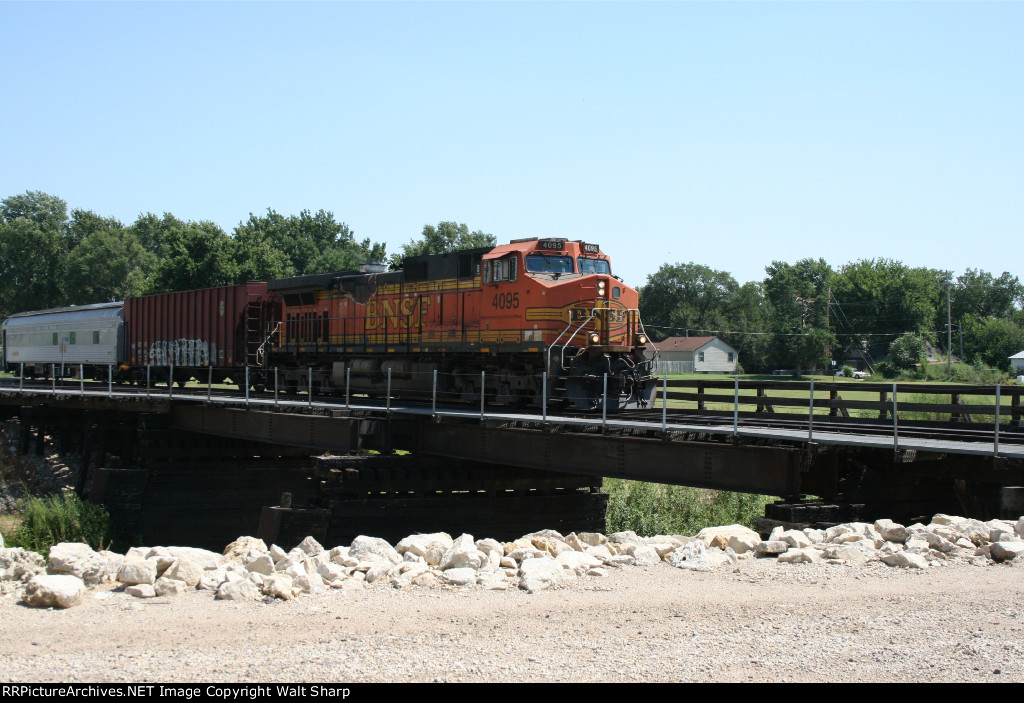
<point x="973" y="404"/>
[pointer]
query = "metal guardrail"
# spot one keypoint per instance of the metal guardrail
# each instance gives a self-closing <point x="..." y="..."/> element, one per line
<point x="889" y="406"/>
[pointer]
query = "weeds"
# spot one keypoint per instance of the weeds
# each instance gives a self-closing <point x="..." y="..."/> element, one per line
<point x="60" y="517"/>
<point x="654" y="508"/>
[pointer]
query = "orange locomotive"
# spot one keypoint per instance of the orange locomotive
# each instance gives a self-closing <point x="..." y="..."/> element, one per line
<point x="511" y="312"/>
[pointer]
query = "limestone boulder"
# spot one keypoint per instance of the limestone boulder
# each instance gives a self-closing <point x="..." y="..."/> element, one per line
<point x="692" y="556"/>
<point x="141" y="590"/>
<point x="79" y="559"/>
<point x="805" y="555"/>
<point x="203" y="558"/>
<point x="310" y="546"/>
<point x="463" y="554"/>
<point x="237" y="590"/>
<point x="1007" y="550"/>
<point x="492" y="581"/>
<point x="54" y="591"/>
<point x="905" y="559"/>
<point x="771" y="548"/>
<point x="645" y="556"/>
<point x="891" y="531"/>
<point x="1018" y="528"/>
<point x="741" y="544"/>
<point x="382" y="571"/>
<point x="797" y="539"/>
<point x="170" y="587"/>
<point x="186" y="571"/>
<point x="278" y="586"/>
<point x="431" y="548"/>
<point x="580" y="562"/>
<point x="459" y="576"/>
<point x="261" y="564"/>
<point x="845" y="553"/>
<point x="540" y="573"/>
<point x="363" y="545"/>
<point x="138" y="571"/>
<point x="591" y="539"/>
<point x="625" y="537"/>
<point x="242" y="547"/>
<point x="311" y="584"/>
<point x="719" y="536"/>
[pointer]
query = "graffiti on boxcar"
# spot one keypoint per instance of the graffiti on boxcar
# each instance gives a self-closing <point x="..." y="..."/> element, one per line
<point x="182" y="352"/>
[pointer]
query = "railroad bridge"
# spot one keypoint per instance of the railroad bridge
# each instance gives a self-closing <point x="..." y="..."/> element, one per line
<point x="199" y="466"/>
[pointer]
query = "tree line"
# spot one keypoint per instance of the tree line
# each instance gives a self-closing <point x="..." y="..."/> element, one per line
<point x="801" y="315"/>
<point x="50" y="257"/>
<point x="807" y="314"/>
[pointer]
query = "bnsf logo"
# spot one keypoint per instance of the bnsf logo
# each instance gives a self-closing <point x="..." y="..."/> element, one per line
<point x="396" y="314"/>
<point x="615" y="317"/>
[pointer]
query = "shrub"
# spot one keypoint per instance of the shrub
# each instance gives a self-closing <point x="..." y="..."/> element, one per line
<point x="907" y="350"/>
<point x="848" y="371"/>
<point x="654" y="508"/>
<point x="61" y="517"/>
<point x="886" y="369"/>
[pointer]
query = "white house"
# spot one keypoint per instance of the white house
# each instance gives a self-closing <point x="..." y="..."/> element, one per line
<point x="694" y="354"/>
<point x="1017" y="361"/>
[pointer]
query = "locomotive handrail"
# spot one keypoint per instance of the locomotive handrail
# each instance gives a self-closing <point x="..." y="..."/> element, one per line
<point x="260" y="349"/>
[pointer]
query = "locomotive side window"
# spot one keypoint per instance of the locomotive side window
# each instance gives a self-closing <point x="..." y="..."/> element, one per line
<point x="503" y="270"/>
<point x="589" y="265"/>
<point x="539" y="263"/>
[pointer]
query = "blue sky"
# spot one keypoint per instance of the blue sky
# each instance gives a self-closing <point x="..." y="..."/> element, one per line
<point x="728" y="134"/>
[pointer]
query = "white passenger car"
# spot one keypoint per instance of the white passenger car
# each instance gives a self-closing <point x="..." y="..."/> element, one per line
<point x="65" y="339"/>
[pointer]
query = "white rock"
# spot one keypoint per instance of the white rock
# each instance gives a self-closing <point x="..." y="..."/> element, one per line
<point x="625" y="537"/>
<point x="815" y="536"/>
<point x="598" y="572"/>
<point x="509" y="563"/>
<point x="488" y="546"/>
<point x="212" y="579"/>
<point x="804" y="555"/>
<point x="573" y="540"/>
<point x="382" y="570"/>
<point x="17" y="564"/>
<point x="429" y="547"/>
<point x="459" y="576"/>
<point x="170" y="587"/>
<point x="891" y="531"/>
<point x="310" y="546"/>
<point x="938" y="543"/>
<point x="330" y="572"/>
<point x="426" y="580"/>
<point x="463" y="554"/>
<point x="664" y="549"/>
<point x="161" y="557"/>
<point x="1018" y="528"/>
<point x="141" y="590"/>
<point x="243" y="546"/>
<point x="540" y="573"/>
<point x="845" y="553"/>
<point x="309" y="583"/>
<point x="237" y="590"/>
<point x="692" y="556"/>
<point x="363" y="545"/>
<point x="620" y="560"/>
<point x="136" y="553"/>
<point x="203" y="558"/>
<point x="741" y="544"/>
<point x="53" y="591"/>
<point x="907" y="559"/>
<point x="1006" y="550"/>
<point x="136" y="572"/>
<point x="579" y="562"/>
<point x="185" y="571"/>
<point x="601" y="552"/>
<point x="719" y="536"/>
<point x="78" y="559"/>
<point x="278" y="586"/>
<point x="261" y="564"/>
<point x="795" y="539"/>
<point x="524" y="553"/>
<point x="276" y="553"/>
<point x="645" y="556"/>
<point x="591" y="539"/>
<point x="771" y="548"/>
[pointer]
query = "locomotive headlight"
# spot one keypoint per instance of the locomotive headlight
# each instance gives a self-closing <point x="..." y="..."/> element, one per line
<point x="642" y="339"/>
<point x="600" y="289"/>
<point x="595" y="338"/>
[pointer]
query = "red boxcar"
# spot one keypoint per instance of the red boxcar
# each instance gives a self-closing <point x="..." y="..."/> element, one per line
<point x="224" y="327"/>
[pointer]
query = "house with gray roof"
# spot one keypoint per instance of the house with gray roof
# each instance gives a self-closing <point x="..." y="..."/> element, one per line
<point x="694" y="355"/>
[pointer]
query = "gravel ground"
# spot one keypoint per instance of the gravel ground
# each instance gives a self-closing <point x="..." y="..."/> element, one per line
<point x="760" y="621"/>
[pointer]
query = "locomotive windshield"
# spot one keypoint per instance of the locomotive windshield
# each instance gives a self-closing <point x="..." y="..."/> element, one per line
<point x="588" y="265"/>
<point x="539" y="263"/>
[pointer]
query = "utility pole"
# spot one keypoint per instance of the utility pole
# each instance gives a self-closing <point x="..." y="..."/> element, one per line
<point x="949" y="334"/>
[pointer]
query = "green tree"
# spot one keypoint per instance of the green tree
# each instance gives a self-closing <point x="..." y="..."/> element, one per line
<point x="195" y="255"/>
<point x="446" y="237"/>
<point x="109" y="264"/>
<point x="992" y="340"/>
<point x="679" y="298"/>
<point x="32" y="264"/>
<point x="907" y="350"/>
<point x="798" y="294"/>
<point x="49" y="212"/>
<point x="883" y="298"/>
